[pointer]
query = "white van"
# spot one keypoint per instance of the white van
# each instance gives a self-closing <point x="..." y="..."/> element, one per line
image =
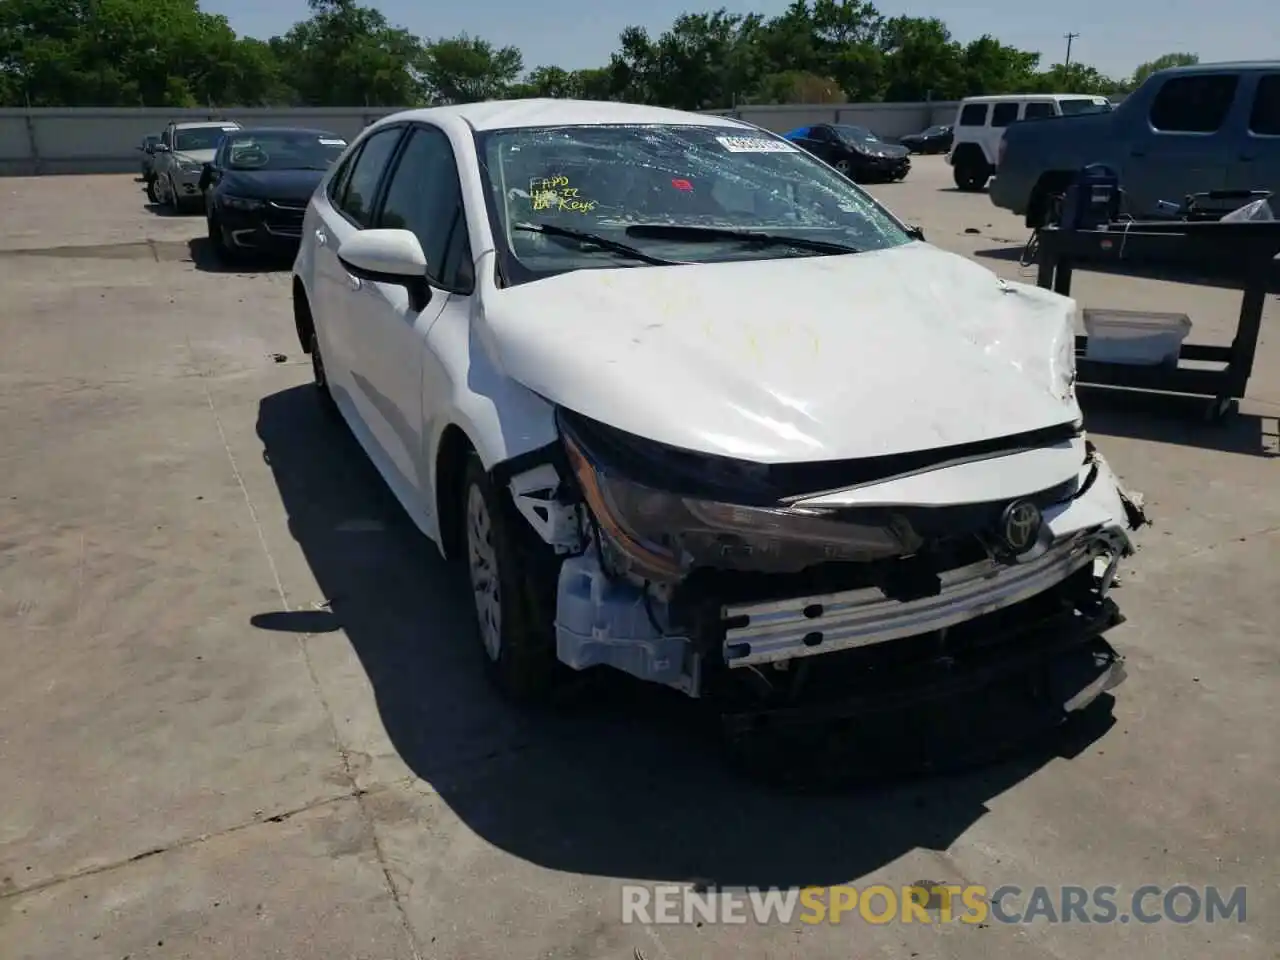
<point x="980" y="123"/>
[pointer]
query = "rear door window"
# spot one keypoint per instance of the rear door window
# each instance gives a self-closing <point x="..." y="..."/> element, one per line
<point x="1036" y="110"/>
<point x="1265" y="117"/>
<point x="1004" y="114"/>
<point x="1197" y="103"/>
<point x="973" y="115"/>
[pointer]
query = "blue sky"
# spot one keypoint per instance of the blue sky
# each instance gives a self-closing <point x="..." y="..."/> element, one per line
<point x="1115" y="35"/>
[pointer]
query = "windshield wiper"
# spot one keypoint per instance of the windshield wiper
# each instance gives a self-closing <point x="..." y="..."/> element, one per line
<point x="676" y="231"/>
<point x="623" y="249"/>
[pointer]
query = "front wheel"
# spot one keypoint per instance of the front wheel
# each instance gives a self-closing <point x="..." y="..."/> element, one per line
<point x="171" y="197"/>
<point x="514" y="627"/>
<point x="321" y="378"/>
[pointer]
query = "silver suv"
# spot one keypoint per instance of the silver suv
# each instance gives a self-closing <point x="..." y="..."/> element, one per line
<point x="180" y="156"/>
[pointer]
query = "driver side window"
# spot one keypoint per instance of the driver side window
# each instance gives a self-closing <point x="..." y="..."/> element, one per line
<point x="425" y="197"/>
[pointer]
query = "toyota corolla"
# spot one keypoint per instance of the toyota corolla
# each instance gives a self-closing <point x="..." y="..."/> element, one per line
<point x="689" y="404"/>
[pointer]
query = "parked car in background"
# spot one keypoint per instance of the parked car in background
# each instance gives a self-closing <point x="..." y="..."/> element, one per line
<point x="935" y="139"/>
<point x="982" y="121"/>
<point x="180" y="156"/>
<point x="855" y="151"/>
<point x="689" y="404"/>
<point x="257" y="186"/>
<point x="1184" y="130"/>
<point x="148" y="161"/>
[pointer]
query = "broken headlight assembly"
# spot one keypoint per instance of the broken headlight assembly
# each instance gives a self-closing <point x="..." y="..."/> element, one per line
<point x="661" y="533"/>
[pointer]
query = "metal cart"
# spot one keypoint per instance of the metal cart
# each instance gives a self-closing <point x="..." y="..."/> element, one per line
<point x="1241" y="251"/>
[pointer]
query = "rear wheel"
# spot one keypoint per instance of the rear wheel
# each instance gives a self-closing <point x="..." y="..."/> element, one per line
<point x="844" y="167"/>
<point x="152" y="196"/>
<point x="515" y="630"/>
<point x="970" y="175"/>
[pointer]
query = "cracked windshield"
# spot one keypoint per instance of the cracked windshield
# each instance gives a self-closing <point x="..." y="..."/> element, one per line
<point x="604" y="196"/>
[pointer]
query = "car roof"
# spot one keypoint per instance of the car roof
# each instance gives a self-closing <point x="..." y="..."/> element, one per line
<point x="191" y="124"/>
<point x="1242" y="65"/>
<point x="548" y="112"/>
<point x="308" y="131"/>
<point x="1015" y="97"/>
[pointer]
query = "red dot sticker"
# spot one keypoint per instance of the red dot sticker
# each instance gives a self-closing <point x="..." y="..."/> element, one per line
<point x="684" y="185"/>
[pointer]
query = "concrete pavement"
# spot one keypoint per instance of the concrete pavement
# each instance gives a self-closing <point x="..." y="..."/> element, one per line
<point x="241" y="714"/>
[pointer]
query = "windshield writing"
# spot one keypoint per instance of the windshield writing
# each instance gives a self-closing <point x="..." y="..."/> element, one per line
<point x="605" y="179"/>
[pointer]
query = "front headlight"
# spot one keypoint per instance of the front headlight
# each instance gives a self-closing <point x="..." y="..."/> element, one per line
<point x="662" y="536"/>
<point x="243" y="203"/>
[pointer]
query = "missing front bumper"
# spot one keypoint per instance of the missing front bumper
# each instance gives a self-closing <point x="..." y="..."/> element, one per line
<point x="763" y="633"/>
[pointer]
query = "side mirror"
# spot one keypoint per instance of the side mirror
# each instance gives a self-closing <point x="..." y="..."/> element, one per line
<point x="388" y="256"/>
<point x="915" y="232"/>
<point x="160" y="148"/>
<point x="206" y="176"/>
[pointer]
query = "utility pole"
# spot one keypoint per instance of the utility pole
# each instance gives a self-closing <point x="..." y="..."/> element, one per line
<point x="1066" y="66"/>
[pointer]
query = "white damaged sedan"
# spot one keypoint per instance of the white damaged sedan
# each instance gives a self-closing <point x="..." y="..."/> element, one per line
<point x="691" y="405"/>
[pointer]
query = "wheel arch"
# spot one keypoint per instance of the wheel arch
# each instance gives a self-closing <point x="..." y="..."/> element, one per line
<point x="969" y="152"/>
<point x="1045" y="187"/>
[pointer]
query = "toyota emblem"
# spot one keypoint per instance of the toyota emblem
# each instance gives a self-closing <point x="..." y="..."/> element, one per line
<point x="1020" y="526"/>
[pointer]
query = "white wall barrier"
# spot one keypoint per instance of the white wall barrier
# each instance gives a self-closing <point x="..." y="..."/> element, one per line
<point x="105" y="139"/>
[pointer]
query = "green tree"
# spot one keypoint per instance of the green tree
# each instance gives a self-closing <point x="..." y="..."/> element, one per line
<point x="346" y="54"/>
<point x="1161" y="63"/>
<point x="466" y="69"/>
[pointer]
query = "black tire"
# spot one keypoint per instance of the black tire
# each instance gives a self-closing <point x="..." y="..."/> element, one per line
<point x="845" y="167"/>
<point x="225" y="253"/>
<point x="152" y="196"/>
<point x="970" y="176"/>
<point x="171" y="195"/>
<point x="321" y="379"/>
<point x="514" y="620"/>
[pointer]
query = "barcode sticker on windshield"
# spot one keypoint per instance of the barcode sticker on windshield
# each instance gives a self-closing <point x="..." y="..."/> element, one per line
<point x="756" y="145"/>
<point x="327" y="142"/>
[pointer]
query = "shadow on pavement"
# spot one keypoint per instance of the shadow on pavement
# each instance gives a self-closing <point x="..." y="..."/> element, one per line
<point x="629" y="782"/>
<point x="1175" y="419"/>
<point x="206" y="259"/>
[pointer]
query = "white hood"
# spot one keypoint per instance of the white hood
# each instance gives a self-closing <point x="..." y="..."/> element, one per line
<point x="815" y="358"/>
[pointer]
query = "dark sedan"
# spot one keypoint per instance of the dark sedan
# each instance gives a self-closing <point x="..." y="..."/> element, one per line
<point x="855" y="151"/>
<point x="936" y="139"/>
<point x="257" y="187"/>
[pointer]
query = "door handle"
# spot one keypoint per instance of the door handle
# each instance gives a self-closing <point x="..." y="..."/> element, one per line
<point x="1137" y="153"/>
<point x="321" y="237"/>
<point x="1248" y="157"/>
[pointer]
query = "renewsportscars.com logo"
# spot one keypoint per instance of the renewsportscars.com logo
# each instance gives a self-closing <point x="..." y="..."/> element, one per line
<point x="931" y="903"/>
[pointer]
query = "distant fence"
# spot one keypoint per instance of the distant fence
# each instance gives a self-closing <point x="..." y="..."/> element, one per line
<point x="105" y="139"/>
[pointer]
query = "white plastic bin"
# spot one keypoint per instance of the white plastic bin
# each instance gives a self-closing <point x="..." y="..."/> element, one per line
<point x="1136" y="337"/>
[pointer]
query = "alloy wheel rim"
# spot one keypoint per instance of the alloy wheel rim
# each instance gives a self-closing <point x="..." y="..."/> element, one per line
<point x="482" y="562"/>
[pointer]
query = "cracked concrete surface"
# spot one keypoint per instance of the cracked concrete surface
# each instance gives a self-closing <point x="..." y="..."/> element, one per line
<point x="241" y="714"/>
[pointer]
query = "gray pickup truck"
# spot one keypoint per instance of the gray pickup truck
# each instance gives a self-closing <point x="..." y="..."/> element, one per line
<point x="1185" y="130"/>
